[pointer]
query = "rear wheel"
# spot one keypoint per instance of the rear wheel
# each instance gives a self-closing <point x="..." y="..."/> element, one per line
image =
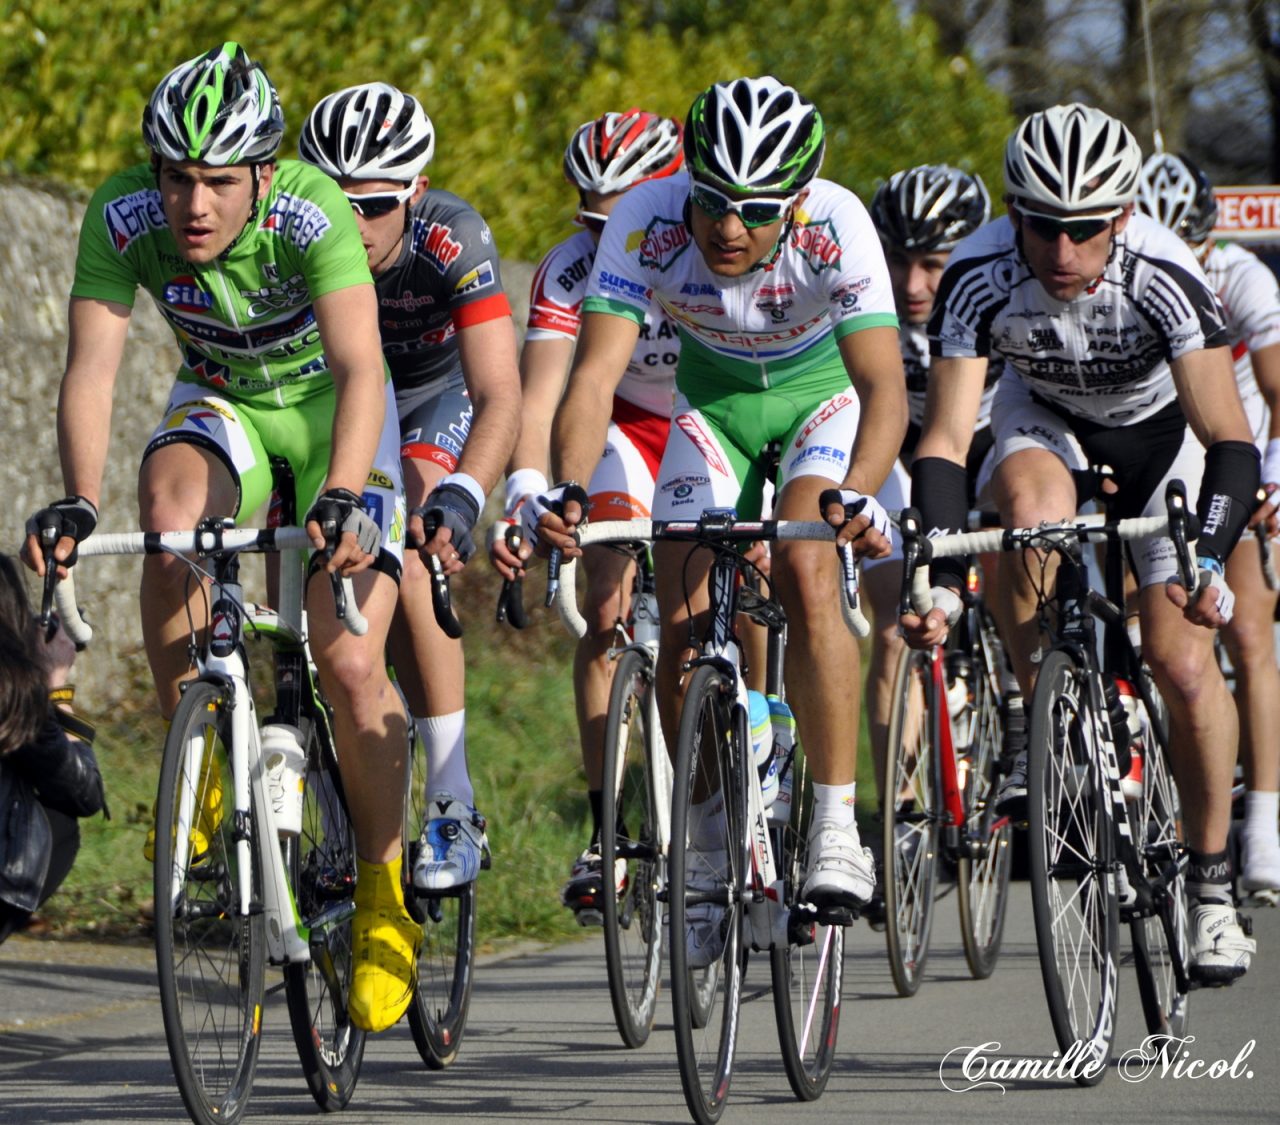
<point x="910" y="823"/>
<point x="322" y="866"/>
<point x="705" y="889"/>
<point x="210" y="956"/>
<point x="629" y="840"/>
<point x="1072" y="887"/>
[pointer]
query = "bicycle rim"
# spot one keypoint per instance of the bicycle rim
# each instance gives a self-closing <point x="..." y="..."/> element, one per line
<point x="322" y="868"/>
<point x="210" y="959"/>
<point x="910" y="824"/>
<point x="438" y="1012"/>
<point x="704" y="758"/>
<point x="983" y="871"/>
<point x="1072" y="892"/>
<point x="629" y="839"/>
<point x="808" y="972"/>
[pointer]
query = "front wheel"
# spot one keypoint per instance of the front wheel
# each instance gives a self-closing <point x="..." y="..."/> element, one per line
<point x="705" y="890"/>
<point x="1072" y="885"/>
<point x="629" y="842"/>
<point x="210" y="945"/>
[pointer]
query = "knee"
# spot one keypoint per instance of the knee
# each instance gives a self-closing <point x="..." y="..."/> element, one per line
<point x="806" y="578"/>
<point x="351" y="672"/>
<point x="1183" y="672"/>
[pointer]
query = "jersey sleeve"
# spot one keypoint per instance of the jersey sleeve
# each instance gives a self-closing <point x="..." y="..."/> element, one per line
<point x="1174" y="294"/>
<point x="559" y="285"/>
<point x="858" y="281"/>
<point x="619" y="283"/>
<point x="322" y="231"/>
<point x="1253" y="306"/>
<point x="106" y="267"/>
<point x="472" y="278"/>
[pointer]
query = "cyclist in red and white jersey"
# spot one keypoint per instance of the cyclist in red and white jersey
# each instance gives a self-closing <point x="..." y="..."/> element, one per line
<point x="1115" y="353"/>
<point x="778" y="284"/>
<point x="605" y="158"/>
<point x="1177" y="193"/>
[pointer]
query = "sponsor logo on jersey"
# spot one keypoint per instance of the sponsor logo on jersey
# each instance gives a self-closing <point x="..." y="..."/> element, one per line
<point x="195" y="416"/>
<point x="702" y="289"/>
<point x="292" y="294"/>
<point x="578" y="270"/>
<point x="829" y="411"/>
<point x="660" y="243"/>
<point x="185" y="293"/>
<point x="612" y="283"/>
<point x="823" y="453"/>
<point x="132" y="216"/>
<point x="703" y="442"/>
<point x="296" y="220"/>
<point x="819" y="244"/>
<point x="478" y="278"/>
<point x="682" y="486"/>
<point x="786" y="289"/>
<point x="710" y="310"/>
<point x="379" y="480"/>
<point x="201" y="365"/>
<point x="1044" y="340"/>
<point x="436" y="244"/>
<point x="407" y="301"/>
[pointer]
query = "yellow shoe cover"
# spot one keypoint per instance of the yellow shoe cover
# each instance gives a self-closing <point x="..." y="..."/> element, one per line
<point x="209" y="818"/>
<point x="384" y="948"/>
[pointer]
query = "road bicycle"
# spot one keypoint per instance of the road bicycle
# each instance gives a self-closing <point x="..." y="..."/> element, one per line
<point x="254" y="861"/>
<point x="942" y="771"/>
<point x="750" y="864"/>
<point x="1105" y="846"/>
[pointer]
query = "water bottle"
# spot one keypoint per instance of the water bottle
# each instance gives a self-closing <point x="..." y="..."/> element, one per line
<point x="285" y="758"/>
<point x="784" y="740"/>
<point x="762" y="745"/>
<point x="1131" y="779"/>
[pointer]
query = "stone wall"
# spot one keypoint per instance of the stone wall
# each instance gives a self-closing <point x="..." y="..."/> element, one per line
<point x="38" y="232"/>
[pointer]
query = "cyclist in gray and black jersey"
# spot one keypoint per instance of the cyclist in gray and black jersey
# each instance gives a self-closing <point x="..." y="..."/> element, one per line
<point x="448" y="338"/>
<point x="1115" y="353"/>
<point x="1174" y="191"/>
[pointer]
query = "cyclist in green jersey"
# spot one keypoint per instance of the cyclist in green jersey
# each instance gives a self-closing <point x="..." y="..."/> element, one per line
<point x="259" y="269"/>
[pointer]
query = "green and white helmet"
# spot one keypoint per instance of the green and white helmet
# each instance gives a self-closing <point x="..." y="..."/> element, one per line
<point x="219" y="108"/>
<point x="753" y="135"/>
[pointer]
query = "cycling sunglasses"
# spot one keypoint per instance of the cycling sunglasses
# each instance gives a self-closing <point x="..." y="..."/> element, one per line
<point x="1048" y="227"/>
<point x="591" y="220"/>
<point x="755" y="211"/>
<point x="377" y="204"/>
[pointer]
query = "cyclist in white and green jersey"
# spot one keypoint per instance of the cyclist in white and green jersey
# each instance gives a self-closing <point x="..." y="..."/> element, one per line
<point x="778" y="285"/>
<point x="259" y="270"/>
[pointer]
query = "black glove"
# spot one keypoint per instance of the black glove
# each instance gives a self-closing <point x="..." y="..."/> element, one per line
<point x="338" y="511"/>
<point x="451" y="506"/>
<point x="72" y="516"/>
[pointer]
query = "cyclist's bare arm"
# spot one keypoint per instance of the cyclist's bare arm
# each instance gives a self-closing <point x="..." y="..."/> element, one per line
<point x="1209" y="397"/>
<point x="95" y="344"/>
<point x="348" y="323"/>
<point x="605" y="346"/>
<point x="1266" y="371"/>
<point x="488" y="355"/>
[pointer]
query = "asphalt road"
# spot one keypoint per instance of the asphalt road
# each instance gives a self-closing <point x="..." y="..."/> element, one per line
<point x="81" y="1040"/>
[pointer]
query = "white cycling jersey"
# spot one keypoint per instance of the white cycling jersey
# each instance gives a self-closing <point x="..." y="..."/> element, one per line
<point x="1103" y="356"/>
<point x="555" y="311"/>
<point x="914" y="343"/>
<point x="826" y="279"/>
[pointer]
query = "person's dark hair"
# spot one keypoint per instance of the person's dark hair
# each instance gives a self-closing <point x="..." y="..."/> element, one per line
<point x="24" y="692"/>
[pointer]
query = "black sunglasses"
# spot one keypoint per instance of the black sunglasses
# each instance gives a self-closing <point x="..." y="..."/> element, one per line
<point x="1048" y="227"/>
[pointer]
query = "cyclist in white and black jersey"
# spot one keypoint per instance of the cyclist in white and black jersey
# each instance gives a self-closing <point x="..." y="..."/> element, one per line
<point x="1115" y="353"/>
<point x="778" y="283"/>
<point x="605" y="158"/>
<point x="448" y="339"/>
<point x="1177" y="193"/>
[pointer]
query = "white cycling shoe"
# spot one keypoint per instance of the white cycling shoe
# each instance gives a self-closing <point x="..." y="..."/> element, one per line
<point x="708" y="872"/>
<point x="842" y="873"/>
<point x="1221" y="951"/>
<point x="452" y="847"/>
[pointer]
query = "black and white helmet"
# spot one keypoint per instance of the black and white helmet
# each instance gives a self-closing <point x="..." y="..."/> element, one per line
<point x="1073" y="158"/>
<point x="754" y="135"/>
<point x="368" y="132"/>
<point x="929" y="208"/>
<point x="616" y="151"/>
<point x="1174" y="191"/>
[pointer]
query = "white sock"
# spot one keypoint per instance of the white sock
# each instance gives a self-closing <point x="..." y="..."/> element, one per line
<point x="834" y="803"/>
<point x="707" y="824"/>
<point x="1261" y="811"/>
<point x="445" y="740"/>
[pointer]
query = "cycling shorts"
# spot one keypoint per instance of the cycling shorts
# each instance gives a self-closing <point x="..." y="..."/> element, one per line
<point x="435" y="428"/>
<point x="621" y="487"/>
<point x="246" y="438"/>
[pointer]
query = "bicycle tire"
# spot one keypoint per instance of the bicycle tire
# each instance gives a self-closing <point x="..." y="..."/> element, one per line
<point x="210" y="959"/>
<point x="446" y="958"/>
<point x="1161" y="943"/>
<point x="982" y="875"/>
<point x="910" y="823"/>
<point x="707" y="750"/>
<point x="1072" y="886"/>
<point x="321" y="862"/>
<point x="629" y="835"/>
<point x="807" y="972"/>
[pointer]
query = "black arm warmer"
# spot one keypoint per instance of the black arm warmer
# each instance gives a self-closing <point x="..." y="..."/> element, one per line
<point x="1228" y="496"/>
<point x="940" y="492"/>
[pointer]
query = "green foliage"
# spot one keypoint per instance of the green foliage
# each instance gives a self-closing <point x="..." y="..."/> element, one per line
<point x="505" y="82"/>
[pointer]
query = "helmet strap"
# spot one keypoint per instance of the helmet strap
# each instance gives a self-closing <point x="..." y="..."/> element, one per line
<point x="255" y="210"/>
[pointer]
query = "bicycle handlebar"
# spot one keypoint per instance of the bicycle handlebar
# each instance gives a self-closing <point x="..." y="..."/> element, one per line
<point x="562" y="577"/>
<point x="203" y="542"/>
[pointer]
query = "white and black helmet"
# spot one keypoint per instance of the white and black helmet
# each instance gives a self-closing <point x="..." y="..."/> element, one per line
<point x="1073" y="158"/>
<point x="368" y="132"/>
<point x="616" y="151"/>
<point x="219" y="108"/>
<point x="1174" y="191"/>
<point x="754" y="135"/>
<point x="929" y="208"/>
